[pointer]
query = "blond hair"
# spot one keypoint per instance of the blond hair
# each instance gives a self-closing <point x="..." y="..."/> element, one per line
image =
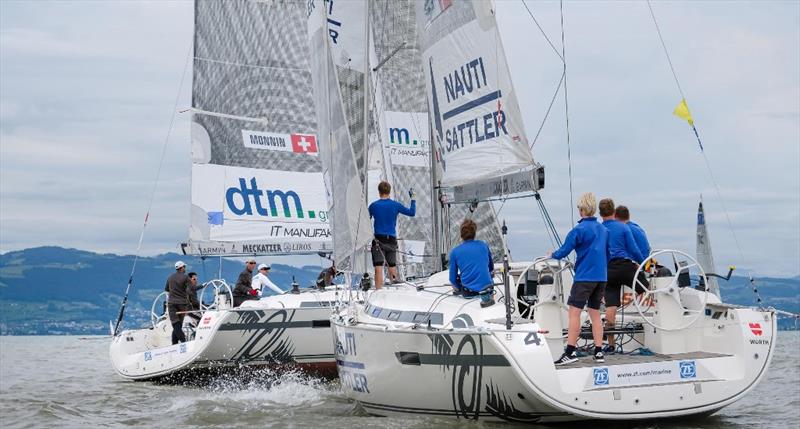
<point x="587" y="204"/>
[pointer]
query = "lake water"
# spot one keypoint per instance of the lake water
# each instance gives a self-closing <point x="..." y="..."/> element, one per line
<point x="68" y="382"/>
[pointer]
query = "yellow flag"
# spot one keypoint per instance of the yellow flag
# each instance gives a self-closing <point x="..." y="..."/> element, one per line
<point x="682" y="111"/>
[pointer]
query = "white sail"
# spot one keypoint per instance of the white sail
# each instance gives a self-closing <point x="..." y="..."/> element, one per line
<point x="403" y="124"/>
<point x="334" y="29"/>
<point x="477" y="123"/>
<point x="257" y="185"/>
<point x="704" y="256"/>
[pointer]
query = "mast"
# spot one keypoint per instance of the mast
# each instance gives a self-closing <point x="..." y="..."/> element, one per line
<point x="366" y="115"/>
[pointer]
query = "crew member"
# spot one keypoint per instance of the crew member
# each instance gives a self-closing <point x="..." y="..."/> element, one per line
<point x="624" y="258"/>
<point x="471" y="266"/>
<point x="177" y="286"/>
<point x="325" y="277"/>
<point x="261" y="279"/>
<point x="589" y="239"/>
<point x="243" y="290"/>
<point x="384" y="246"/>
<point x="622" y="214"/>
<point x="194" y="303"/>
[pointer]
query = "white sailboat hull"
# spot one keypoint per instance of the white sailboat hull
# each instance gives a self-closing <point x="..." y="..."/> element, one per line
<point x="279" y="331"/>
<point x="489" y="373"/>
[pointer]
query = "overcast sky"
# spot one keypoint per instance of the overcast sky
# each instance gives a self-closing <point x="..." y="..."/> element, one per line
<point x="88" y="91"/>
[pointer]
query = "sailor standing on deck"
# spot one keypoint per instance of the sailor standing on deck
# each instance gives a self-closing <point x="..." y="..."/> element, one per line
<point x="261" y="280"/>
<point x="243" y="290"/>
<point x="622" y="214"/>
<point x="384" y="246"/>
<point x="178" y="302"/>
<point x="589" y="239"/>
<point x="624" y="258"/>
<point x="191" y="292"/>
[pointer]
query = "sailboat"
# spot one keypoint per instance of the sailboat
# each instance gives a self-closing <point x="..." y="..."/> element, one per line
<point x="257" y="189"/>
<point x="426" y="351"/>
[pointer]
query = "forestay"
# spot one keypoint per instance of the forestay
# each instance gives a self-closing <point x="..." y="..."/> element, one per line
<point x="477" y="123"/>
<point x="336" y="39"/>
<point x="257" y="184"/>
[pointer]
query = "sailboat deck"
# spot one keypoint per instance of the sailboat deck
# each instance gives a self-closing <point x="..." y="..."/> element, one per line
<point x="625" y="359"/>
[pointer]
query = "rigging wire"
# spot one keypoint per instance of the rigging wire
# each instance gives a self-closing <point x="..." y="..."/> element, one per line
<point x="566" y="114"/>
<point x="547" y="113"/>
<point x="542" y="31"/>
<point x="702" y="152"/>
<point x="153" y="191"/>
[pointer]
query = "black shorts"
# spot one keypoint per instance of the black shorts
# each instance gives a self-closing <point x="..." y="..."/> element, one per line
<point x="621" y="272"/>
<point x="384" y="249"/>
<point x="586" y="294"/>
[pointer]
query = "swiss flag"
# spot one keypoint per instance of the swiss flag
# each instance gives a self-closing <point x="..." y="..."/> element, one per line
<point x="755" y="328"/>
<point x="304" y="143"/>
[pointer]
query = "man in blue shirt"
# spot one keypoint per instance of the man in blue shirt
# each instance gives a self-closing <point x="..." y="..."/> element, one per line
<point x="623" y="261"/>
<point x="622" y="214"/>
<point x="384" y="246"/>
<point x="471" y="266"/>
<point x="589" y="239"/>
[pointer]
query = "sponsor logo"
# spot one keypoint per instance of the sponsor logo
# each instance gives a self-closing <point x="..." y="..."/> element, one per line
<point x="755" y="328"/>
<point x="249" y="199"/>
<point x="688" y="369"/>
<point x="207" y="320"/>
<point x="148" y="356"/>
<point x="304" y="143"/>
<point x="182" y="348"/>
<point x="295" y="143"/>
<point x="261" y="248"/>
<point x="759" y="342"/>
<point x="346" y="344"/>
<point x="600" y="376"/>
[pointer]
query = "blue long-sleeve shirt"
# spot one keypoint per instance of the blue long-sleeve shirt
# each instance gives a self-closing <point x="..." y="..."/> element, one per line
<point x="385" y="211"/>
<point x="620" y="241"/>
<point x="589" y="239"/>
<point x="640" y="238"/>
<point x="472" y="260"/>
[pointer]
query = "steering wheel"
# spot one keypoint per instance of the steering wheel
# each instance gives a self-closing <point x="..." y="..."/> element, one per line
<point x="155" y="317"/>
<point x="217" y="285"/>
<point x="671" y="290"/>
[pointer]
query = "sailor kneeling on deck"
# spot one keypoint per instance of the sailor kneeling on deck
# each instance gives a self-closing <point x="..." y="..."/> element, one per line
<point x="471" y="266"/>
<point x="589" y="239"/>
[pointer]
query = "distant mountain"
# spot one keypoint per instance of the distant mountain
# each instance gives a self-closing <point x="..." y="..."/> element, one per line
<point x="52" y="290"/>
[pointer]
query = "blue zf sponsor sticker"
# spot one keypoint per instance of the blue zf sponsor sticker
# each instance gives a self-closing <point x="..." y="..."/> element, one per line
<point x="600" y="376"/>
<point x="688" y="369"/>
<point x="148" y="356"/>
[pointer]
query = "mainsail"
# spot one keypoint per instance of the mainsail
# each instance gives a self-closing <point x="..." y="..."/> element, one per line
<point x="257" y="184"/>
<point x="401" y="113"/>
<point x="704" y="256"/>
<point x="336" y="37"/>
<point x="478" y="134"/>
